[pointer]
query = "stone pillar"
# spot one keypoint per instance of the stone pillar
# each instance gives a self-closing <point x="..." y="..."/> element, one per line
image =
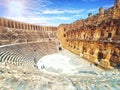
<point x="101" y="11"/>
<point x="29" y="27"/>
<point x="32" y="27"/>
<point x="20" y="25"/>
<point x="5" y="23"/>
<point x="11" y="24"/>
<point x="1" y="22"/>
<point x="23" y="26"/>
<point x="89" y="15"/>
<point x="35" y="27"/>
<point x="117" y="2"/>
<point x="17" y="25"/>
<point x="40" y="28"/>
<point x="8" y="23"/>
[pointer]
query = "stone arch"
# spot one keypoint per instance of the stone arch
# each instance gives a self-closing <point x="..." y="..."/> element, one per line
<point x="117" y="31"/>
<point x="100" y="56"/>
<point x="109" y="35"/>
<point x="115" y="57"/>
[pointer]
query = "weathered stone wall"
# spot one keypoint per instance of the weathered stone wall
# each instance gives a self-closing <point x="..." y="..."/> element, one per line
<point x="17" y="32"/>
<point x="96" y="38"/>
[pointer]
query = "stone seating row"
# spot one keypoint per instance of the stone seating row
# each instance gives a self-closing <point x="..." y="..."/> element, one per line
<point x="26" y="54"/>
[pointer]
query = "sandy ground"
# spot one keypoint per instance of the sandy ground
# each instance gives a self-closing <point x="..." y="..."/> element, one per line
<point x="65" y="62"/>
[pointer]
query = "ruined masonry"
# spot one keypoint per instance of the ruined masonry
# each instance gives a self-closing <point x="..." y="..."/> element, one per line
<point x="96" y="38"/>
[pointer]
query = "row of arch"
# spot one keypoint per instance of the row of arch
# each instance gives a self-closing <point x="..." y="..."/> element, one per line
<point x="19" y="25"/>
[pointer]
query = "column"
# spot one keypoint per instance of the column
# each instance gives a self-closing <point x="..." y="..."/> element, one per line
<point x="20" y="25"/>
<point x="40" y="28"/>
<point x="0" y="22"/>
<point x="6" y="21"/>
<point x="10" y="24"/>
<point x="29" y="27"/>
<point x="23" y="26"/>
<point x="34" y="27"/>
<point x="17" y="26"/>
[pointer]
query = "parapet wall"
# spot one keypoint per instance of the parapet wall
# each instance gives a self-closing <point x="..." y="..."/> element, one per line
<point x="17" y="32"/>
<point x="96" y="38"/>
<point x="26" y="26"/>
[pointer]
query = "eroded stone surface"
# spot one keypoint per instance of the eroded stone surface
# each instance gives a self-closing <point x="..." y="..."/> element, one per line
<point x="96" y="38"/>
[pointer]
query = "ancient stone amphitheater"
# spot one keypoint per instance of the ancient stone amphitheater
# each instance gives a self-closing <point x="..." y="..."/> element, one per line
<point x="95" y="39"/>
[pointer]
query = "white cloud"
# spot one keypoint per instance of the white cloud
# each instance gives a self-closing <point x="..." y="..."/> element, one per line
<point x="108" y="6"/>
<point x="37" y="12"/>
<point x="40" y="20"/>
<point x="32" y="19"/>
<point x="62" y="18"/>
<point x="93" y="10"/>
<point x="52" y="12"/>
<point x="97" y="9"/>
<point x="49" y="11"/>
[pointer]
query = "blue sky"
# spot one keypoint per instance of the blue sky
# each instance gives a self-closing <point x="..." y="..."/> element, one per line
<point x="50" y="12"/>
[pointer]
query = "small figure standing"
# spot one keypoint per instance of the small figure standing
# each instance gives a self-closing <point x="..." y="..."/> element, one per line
<point x="35" y="65"/>
<point x="90" y="64"/>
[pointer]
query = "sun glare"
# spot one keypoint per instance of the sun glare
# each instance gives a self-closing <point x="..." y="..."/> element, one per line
<point x="15" y="7"/>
